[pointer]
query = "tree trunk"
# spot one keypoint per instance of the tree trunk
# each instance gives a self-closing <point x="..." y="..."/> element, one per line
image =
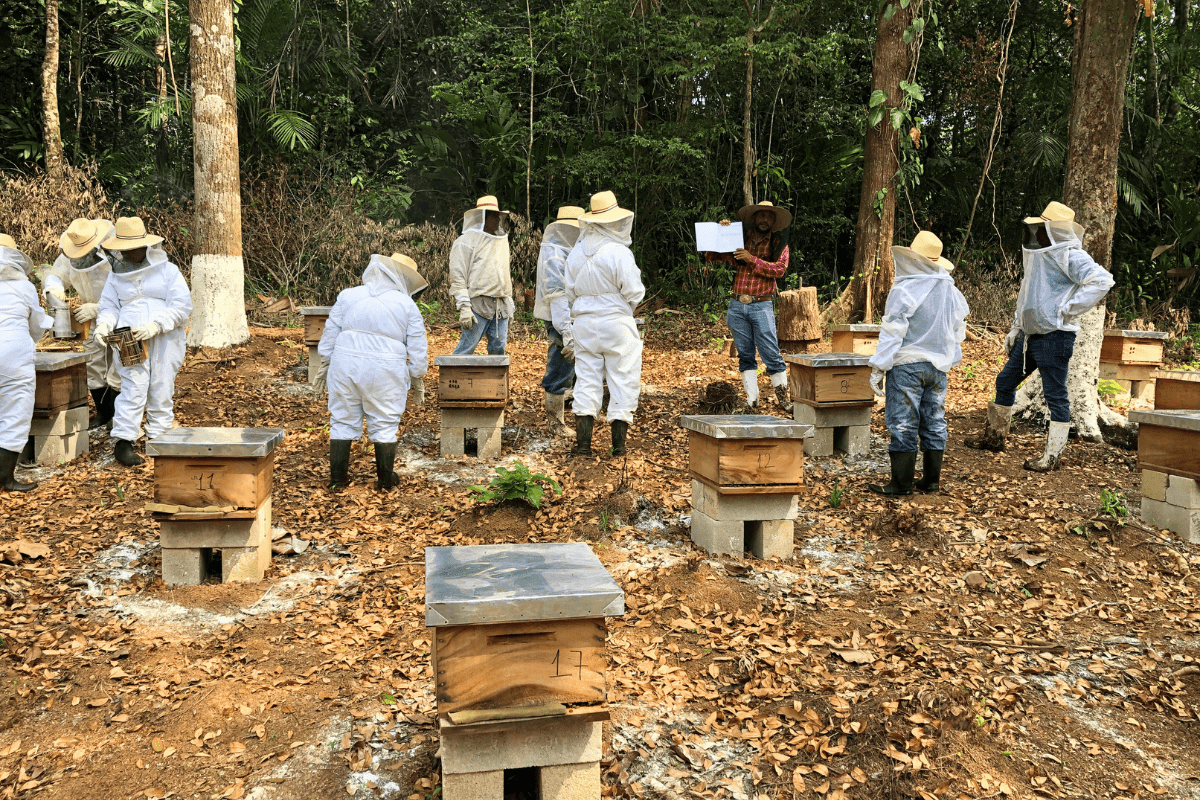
<point x="799" y="319"/>
<point x="1104" y="32"/>
<point x="871" y="280"/>
<point x="218" y="281"/>
<point x="747" y="149"/>
<point x="51" y="130"/>
<point x="160" y="70"/>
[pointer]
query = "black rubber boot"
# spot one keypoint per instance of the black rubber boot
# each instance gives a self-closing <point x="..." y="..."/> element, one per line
<point x="931" y="475"/>
<point x="583" y="436"/>
<point x="339" y="463"/>
<point x="8" y="465"/>
<point x="123" y="452"/>
<point x="385" y="460"/>
<point x="98" y="399"/>
<point x="619" y="429"/>
<point x="110" y="403"/>
<point x="904" y="466"/>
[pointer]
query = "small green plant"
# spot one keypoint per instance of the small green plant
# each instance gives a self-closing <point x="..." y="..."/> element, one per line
<point x="604" y="522"/>
<point x="835" y="494"/>
<point x="517" y="484"/>
<point x="1112" y="503"/>
<point x="428" y="309"/>
<point x="120" y="492"/>
<point x="1107" y="388"/>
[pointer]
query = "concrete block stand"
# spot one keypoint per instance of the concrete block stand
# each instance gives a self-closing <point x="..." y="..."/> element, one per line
<point x="62" y="437"/>
<point x="729" y="524"/>
<point x="486" y="422"/>
<point x="842" y="430"/>
<point x="1171" y="502"/>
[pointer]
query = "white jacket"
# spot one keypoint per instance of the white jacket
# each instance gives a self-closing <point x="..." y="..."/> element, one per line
<point x="602" y="277"/>
<point x="88" y="283"/>
<point x="479" y="263"/>
<point x="1061" y="282"/>
<point x="22" y="321"/>
<point x="925" y="318"/>
<point x="550" y="303"/>
<point x="154" y="293"/>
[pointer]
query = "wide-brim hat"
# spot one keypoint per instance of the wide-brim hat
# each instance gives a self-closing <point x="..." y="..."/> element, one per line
<point x="130" y="235"/>
<point x="570" y="215"/>
<point x="783" y="217"/>
<point x="406" y="268"/>
<point x="604" y="208"/>
<point x="8" y="241"/>
<point x="490" y="203"/>
<point x="82" y="236"/>
<point x="928" y="245"/>
<point x="1055" y="212"/>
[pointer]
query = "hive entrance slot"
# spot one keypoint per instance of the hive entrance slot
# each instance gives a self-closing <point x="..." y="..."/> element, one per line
<point x="520" y="638"/>
<point x="210" y="560"/>
<point x="522" y="784"/>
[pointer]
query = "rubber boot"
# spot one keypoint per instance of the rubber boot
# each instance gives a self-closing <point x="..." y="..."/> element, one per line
<point x="98" y="400"/>
<point x="8" y="465"/>
<point x="750" y="384"/>
<point x="583" y="436"/>
<point x="385" y="460"/>
<point x="931" y="475"/>
<point x="1056" y="442"/>
<point x="619" y="429"/>
<point x="123" y="452"/>
<point x="995" y="430"/>
<point x="110" y="406"/>
<point x="904" y="466"/>
<point x="779" y="383"/>
<point x="418" y="391"/>
<point x="555" y="403"/>
<point x="339" y="463"/>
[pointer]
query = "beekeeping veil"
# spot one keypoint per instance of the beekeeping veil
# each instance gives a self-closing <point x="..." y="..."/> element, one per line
<point x="606" y="222"/>
<point x="14" y="265"/>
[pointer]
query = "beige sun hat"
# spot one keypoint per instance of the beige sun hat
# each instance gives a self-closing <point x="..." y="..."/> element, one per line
<point x="1055" y="212"/>
<point x="130" y="235"/>
<point x="8" y="241"/>
<point x="605" y="209"/>
<point x="489" y="203"/>
<point x="927" y="244"/>
<point x="407" y="269"/>
<point x="783" y="217"/>
<point x="570" y="215"/>
<point x="82" y="235"/>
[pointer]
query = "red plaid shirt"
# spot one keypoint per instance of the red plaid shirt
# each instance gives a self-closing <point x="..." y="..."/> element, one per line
<point x="757" y="276"/>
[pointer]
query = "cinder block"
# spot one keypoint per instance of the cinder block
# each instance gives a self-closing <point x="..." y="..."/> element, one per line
<point x="726" y="507"/>
<point x="1142" y="391"/>
<point x="1182" y="521"/>
<point x="853" y="440"/>
<point x="1182" y="492"/>
<point x="546" y="743"/>
<point x="1154" y="485"/>
<point x="245" y="564"/>
<point x="717" y="536"/>
<point x="51" y="450"/>
<point x="452" y="442"/>
<point x="570" y="782"/>
<point x="488" y="440"/>
<point x="473" y="785"/>
<point x="768" y="539"/>
<point x="314" y="362"/>
<point x="831" y="417"/>
<point x="219" y="533"/>
<point x="472" y="418"/>
<point x="183" y="566"/>
<point x="820" y="444"/>
<point x="62" y="423"/>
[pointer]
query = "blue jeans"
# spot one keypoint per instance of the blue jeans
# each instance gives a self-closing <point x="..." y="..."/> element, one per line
<point x="916" y="407"/>
<point x="753" y="329"/>
<point x="560" y="372"/>
<point x="497" y="336"/>
<point x="1049" y="354"/>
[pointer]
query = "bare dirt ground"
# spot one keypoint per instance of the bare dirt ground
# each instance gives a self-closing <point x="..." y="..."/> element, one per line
<point x="906" y="650"/>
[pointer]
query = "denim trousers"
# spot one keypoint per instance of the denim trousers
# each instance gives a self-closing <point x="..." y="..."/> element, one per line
<point x="560" y="372"/>
<point x="916" y="407"/>
<point x="1050" y="355"/>
<point x="496" y="331"/>
<point x="753" y="329"/>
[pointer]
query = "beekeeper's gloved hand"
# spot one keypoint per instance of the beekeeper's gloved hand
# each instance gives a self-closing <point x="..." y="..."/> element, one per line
<point x="102" y="332"/>
<point x="318" y="382"/>
<point x="466" y="318"/>
<point x="57" y="294"/>
<point x="1010" y="340"/>
<point x="877" y="381"/>
<point x="87" y="312"/>
<point x="568" y="347"/>
<point x="148" y="331"/>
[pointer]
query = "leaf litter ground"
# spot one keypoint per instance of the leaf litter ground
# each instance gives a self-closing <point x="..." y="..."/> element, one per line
<point x="1002" y="639"/>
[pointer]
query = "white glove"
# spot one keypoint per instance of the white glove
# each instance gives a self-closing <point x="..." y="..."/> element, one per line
<point x="87" y="312"/>
<point x="466" y="318"/>
<point x="568" y="347"/>
<point x="57" y="294"/>
<point x="418" y="390"/>
<point x="148" y="331"/>
<point x="1010" y="340"/>
<point x="318" y="382"/>
<point x="102" y="332"/>
<point x="877" y="381"/>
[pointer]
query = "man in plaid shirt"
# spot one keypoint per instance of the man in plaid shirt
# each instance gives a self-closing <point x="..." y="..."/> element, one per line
<point x="751" y="315"/>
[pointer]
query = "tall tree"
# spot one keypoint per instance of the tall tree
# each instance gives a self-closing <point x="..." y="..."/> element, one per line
<point x="753" y="9"/>
<point x="218" y="279"/>
<point x="52" y="132"/>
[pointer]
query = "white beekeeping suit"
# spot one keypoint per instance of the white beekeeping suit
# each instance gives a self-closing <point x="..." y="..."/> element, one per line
<point x="22" y="323"/>
<point x="480" y="280"/>
<point x="550" y="300"/>
<point x="1061" y="282"/>
<point x="925" y="318"/>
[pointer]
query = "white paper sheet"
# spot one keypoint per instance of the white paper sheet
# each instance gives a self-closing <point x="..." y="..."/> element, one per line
<point x="718" y="238"/>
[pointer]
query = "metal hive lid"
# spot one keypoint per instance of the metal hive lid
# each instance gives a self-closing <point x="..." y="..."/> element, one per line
<point x="745" y="426"/>
<point x="209" y="442"/>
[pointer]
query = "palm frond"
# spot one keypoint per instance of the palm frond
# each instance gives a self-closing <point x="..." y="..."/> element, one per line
<point x="291" y="129"/>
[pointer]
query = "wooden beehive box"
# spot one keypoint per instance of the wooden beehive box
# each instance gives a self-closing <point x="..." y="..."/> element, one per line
<point x="1133" y="347"/>
<point x="518" y="625"/>
<point x="61" y="383"/>
<point x="314" y="322"/>
<point x="1169" y="441"/>
<point x="227" y="467"/>
<point x="746" y="454"/>
<point x="858" y="339"/>
<point x="472" y="381"/>
<point x="830" y="379"/>
<point x="1176" y="390"/>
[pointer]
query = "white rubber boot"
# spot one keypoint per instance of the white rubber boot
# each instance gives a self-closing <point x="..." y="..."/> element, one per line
<point x="779" y="382"/>
<point x="418" y="391"/>
<point x="554" y="415"/>
<point x="1056" y="442"/>
<point x="750" y="382"/>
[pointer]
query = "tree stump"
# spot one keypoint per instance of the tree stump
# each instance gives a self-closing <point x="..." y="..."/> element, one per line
<point x="799" y="320"/>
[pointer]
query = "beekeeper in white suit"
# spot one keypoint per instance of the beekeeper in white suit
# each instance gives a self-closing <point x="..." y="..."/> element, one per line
<point x="22" y="323"/>
<point x="551" y="307"/>
<point x="480" y="281"/>
<point x="373" y="344"/>
<point x="84" y="267"/>
<point x="148" y="294"/>
<point x="604" y="287"/>
<point x="920" y="341"/>
<point x="1061" y="283"/>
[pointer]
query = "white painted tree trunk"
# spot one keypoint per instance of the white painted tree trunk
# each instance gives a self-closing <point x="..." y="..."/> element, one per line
<point x="218" y="302"/>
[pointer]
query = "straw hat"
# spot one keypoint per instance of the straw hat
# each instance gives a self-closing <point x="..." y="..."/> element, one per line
<point x="407" y="269"/>
<point x="570" y="215"/>
<point x="783" y="217"/>
<point x="131" y="234"/>
<point x="82" y="235"/>
<point x="489" y="203"/>
<point x="1055" y="212"/>
<point x="926" y="244"/>
<point x="8" y="241"/>
<point x="605" y="209"/>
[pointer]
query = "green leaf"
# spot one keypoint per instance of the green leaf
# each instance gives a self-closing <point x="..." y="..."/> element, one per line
<point x="878" y="97"/>
<point x="875" y="117"/>
<point x="889" y="13"/>
<point x="387" y="698"/>
<point x="897" y="118"/>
